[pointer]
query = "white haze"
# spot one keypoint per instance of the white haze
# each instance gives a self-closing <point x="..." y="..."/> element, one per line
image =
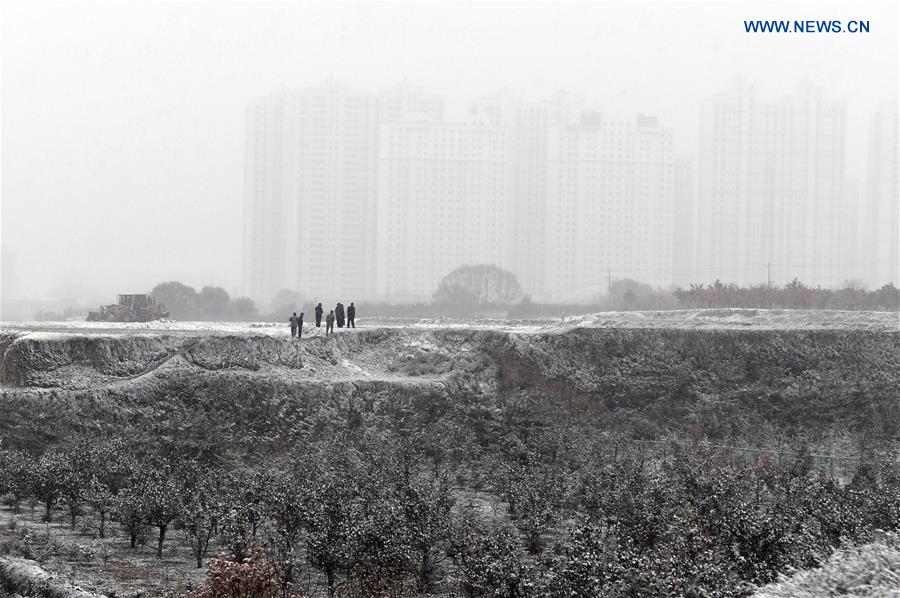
<point x="123" y="122"/>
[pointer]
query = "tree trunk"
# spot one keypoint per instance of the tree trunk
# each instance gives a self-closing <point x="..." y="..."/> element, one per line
<point x="329" y="576"/>
<point x="102" y="529"/>
<point x="534" y="542"/>
<point x="202" y="546"/>
<point x="425" y="572"/>
<point x="133" y="540"/>
<point x="162" y="536"/>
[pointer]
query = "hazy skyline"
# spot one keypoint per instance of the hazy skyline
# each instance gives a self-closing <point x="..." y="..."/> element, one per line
<point x="123" y="123"/>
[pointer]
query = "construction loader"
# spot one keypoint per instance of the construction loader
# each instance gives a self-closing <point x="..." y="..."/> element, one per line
<point x="130" y="308"/>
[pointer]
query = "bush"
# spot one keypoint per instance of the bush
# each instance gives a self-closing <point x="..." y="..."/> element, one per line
<point x="255" y="577"/>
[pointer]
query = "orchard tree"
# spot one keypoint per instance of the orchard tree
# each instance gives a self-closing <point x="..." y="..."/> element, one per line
<point x="595" y="566"/>
<point x="332" y="514"/>
<point x="49" y="480"/>
<point x="200" y="513"/>
<point x="101" y="500"/>
<point x="74" y="482"/>
<point x="161" y="497"/>
<point x="384" y="562"/>
<point x="109" y="466"/>
<point x="426" y="505"/>
<point x="535" y="494"/>
<point x="243" y="511"/>
<point x="17" y="477"/>
<point x="128" y="510"/>
<point x="383" y="559"/>
<point x="286" y="508"/>
<point x="488" y="560"/>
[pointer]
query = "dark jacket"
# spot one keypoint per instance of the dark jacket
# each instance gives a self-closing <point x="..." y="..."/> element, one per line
<point x="351" y="311"/>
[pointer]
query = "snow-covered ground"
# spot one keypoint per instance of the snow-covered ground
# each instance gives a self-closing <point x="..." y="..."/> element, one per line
<point x="738" y="319"/>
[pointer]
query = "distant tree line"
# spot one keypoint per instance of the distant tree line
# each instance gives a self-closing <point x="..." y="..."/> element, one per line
<point x="462" y="293"/>
<point x="488" y="288"/>
<point x="210" y="303"/>
<point x="794" y="295"/>
<point x="490" y="291"/>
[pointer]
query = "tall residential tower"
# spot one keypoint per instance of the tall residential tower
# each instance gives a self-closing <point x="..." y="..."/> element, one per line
<point x="772" y="188"/>
<point x="311" y="183"/>
<point x="880" y="247"/>
<point x="609" y="206"/>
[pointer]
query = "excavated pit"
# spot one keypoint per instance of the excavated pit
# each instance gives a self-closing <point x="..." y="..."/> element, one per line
<point x="759" y="368"/>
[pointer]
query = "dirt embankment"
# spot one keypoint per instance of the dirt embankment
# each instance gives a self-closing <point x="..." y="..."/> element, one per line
<point x="25" y="578"/>
<point x="262" y="385"/>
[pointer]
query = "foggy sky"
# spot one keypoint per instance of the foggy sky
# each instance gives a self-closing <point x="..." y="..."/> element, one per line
<point x="123" y="123"/>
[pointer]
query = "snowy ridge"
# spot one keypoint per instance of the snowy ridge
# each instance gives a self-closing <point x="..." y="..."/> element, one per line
<point x="762" y="319"/>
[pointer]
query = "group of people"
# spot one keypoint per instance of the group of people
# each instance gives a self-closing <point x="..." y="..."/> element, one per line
<point x="338" y="313"/>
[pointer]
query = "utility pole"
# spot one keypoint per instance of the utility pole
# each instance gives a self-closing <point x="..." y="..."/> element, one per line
<point x="769" y="268"/>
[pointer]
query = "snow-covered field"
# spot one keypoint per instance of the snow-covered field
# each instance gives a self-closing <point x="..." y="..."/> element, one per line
<point x="738" y="319"/>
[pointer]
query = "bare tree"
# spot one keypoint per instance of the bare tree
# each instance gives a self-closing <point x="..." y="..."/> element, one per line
<point x="478" y="287"/>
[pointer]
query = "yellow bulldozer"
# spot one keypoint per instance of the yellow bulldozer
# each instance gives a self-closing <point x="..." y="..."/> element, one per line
<point x="130" y="308"/>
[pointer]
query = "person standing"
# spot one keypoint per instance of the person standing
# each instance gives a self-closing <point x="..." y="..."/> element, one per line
<point x="351" y="316"/>
<point x="293" y="321"/>
<point x="319" y="311"/>
<point x="329" y="323"/>
<point x="300" y="326"/>
<point x="339" y="314"/>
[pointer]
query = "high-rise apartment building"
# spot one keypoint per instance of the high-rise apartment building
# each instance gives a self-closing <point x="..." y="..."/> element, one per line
<point x="880" y="247"/>
<point x="311" y="186"/>
<point x="352" y="194"/>
<point x="609" y="206"/>
<point x="528" y="125"/>
<point x="772" y="188"/>
<point x="684" y="222"/>
<point x="443" y="201"/>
